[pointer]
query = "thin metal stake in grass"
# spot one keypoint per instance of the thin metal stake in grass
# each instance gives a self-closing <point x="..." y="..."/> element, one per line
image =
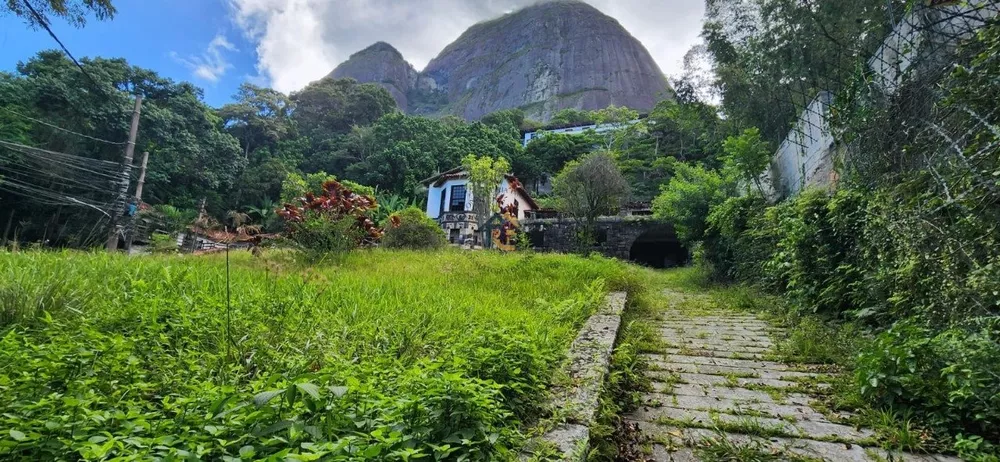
<point x="229" y="309"/>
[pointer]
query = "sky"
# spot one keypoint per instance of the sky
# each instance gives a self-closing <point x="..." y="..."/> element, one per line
<point x="285" y="44"/>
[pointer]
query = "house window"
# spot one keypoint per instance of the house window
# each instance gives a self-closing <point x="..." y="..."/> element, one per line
<point x="457" y="203"/>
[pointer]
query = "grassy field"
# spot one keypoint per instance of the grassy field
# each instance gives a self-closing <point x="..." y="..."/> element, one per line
<point x="384" y="355"/>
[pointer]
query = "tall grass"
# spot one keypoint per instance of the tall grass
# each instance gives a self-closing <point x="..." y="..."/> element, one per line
<point x="388" y="355"/>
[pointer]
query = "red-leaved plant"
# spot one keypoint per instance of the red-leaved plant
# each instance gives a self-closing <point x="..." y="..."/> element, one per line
<point x="337" y="210"/>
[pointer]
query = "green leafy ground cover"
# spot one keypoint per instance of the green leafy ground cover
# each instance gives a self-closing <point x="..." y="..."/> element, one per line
<point x="386" y="355"/>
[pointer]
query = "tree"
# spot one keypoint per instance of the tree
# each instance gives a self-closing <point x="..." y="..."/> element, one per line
<point x="772" y="57"/>
<point x="398" y="151"/>
<point x="73" y="11"/>
<point x="590" y="188"/>
<point x="485" y="175"/>
<point x="259" y="117"/>
<point x="509" y="121"/>
<point x="191" y="156"/>
<point x="689" y="197"/>
<point x="624" y="126"/>
<point x="748" y="156"/>
<point x="330" y="107"/>
<point x="572" y="117"/>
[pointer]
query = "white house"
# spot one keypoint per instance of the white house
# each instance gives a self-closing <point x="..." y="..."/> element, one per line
<point x="449" y="201"/>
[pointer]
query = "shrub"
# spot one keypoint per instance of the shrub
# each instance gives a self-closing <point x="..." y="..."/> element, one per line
<point x="739" y="240"/>
<point x="332" y="223"/>
<point x="412" y="229"/>
<point x="951" y="379"/>
<point x="689" y="197"/>
<point x="162" y="243"/>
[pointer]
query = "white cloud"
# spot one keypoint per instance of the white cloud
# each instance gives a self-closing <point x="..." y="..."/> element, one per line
<point x="212" y="64"/>
<point x="299" y="41"/>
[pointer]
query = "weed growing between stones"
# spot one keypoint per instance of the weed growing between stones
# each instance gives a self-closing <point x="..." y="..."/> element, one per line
<point x="722" y="449"/>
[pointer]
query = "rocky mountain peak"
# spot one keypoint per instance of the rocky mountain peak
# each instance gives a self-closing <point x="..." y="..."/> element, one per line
<point x="383" y="64"/>
<point x="550" y="56"/>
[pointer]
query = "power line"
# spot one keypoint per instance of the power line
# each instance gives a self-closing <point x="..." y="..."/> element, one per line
<point x="116" y="143"/>
<point x="86" y="164"/>
<point x="45" y="24"/>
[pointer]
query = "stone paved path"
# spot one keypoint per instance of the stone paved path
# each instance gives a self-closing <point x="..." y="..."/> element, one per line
<point x="713" y="384"/>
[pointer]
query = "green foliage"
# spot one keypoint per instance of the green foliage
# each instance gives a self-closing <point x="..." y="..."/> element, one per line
<point x="75" y="12"/>
<point x="950" y="379"/>
<point x="389" y="355"/>
<point x="689" y="197"/>
<point x="772" y="57"/>
<point x="190" y="156"/>
<point x="319" y="237"/>
<point x="573" y="117"/>
<point x="162" y="243"/>
<point x="549" y="153"/>
<point x="749" y="156"/>
<point x="388" y="205"/>
<point x="412" y="229"/>
<point x="398" y="151"/>
<point x="331" y="106"/>
<point x="841" y="257"/>
<point x="624" y="124"/>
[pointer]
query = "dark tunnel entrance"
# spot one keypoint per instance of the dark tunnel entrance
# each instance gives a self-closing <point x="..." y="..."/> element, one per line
<point x="659" y="248"/>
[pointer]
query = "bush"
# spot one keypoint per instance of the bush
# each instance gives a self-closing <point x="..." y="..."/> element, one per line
<point x="162" y="243"/>
<point x="412" y="229"/>
<point x="319" y="236"/>
<point x="335" y="222"/>
<point x="951" y="379"/>
<point x="689" y="197"/>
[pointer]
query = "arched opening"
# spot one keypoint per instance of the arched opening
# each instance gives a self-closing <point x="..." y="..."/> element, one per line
<point x="659" y="248"/>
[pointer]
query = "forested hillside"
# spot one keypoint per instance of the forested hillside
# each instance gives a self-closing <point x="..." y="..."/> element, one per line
<point x="239" y="157"/>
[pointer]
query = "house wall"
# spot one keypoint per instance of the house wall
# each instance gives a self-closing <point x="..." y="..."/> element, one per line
<point x="434" y="194"/>
<point x="510" y="196"/>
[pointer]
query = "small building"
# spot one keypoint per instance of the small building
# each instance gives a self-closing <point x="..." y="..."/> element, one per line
<point x="573" y="129"/>
<point x="449" y="201"/>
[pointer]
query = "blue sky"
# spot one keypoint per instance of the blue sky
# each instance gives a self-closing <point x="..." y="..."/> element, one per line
<point x="285" y="44"/>
<point x="168" y="36"/>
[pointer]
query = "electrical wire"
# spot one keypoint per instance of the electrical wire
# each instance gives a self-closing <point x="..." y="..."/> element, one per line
<point x="42" y="122"/>
<point x="45" y="25"/>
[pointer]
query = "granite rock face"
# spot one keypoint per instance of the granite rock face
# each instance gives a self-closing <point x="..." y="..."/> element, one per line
<point x="547" y="57"/>
<point x="384" y="65"/>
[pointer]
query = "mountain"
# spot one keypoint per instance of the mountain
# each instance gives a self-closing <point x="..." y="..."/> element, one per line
<point x="544" y="58"/>
<point x="384" y="65"/>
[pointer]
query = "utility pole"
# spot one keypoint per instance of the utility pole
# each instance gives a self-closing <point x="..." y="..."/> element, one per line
<point x="122" y="199"/>
<point x="138" y="201"/>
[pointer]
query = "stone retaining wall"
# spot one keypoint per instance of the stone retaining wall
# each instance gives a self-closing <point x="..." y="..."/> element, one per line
<point x="587" y="367"/>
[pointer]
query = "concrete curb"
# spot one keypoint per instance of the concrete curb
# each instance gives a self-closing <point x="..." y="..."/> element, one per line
<point x="588" y="364"/>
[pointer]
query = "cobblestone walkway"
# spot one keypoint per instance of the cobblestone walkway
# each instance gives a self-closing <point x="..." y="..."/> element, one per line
<point x="713" y="387"/>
